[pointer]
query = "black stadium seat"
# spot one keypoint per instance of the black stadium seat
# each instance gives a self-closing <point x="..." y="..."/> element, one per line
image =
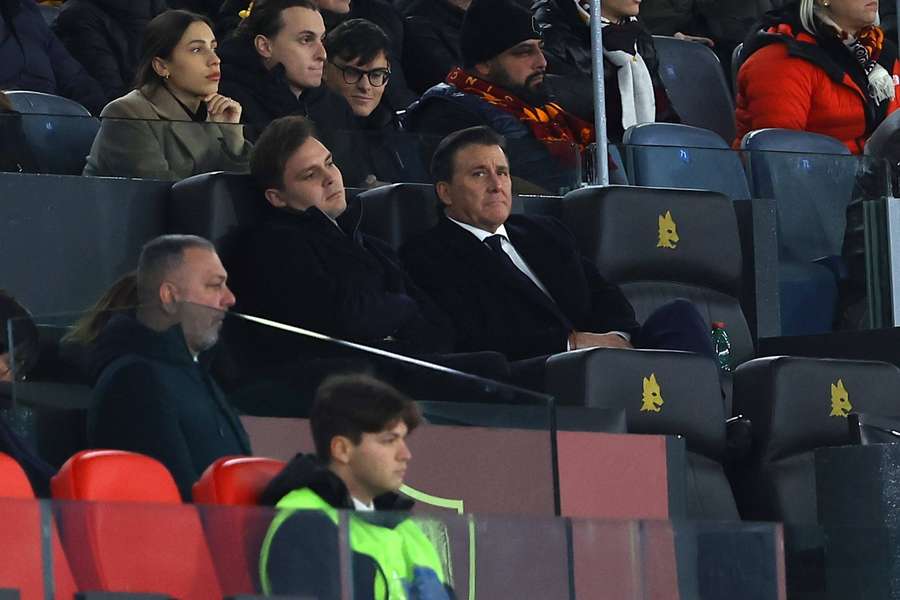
<point x="797" y="405"/>
<point x="661" y="392"/>
<point x="662" y="244"/>
<point x="213" y="205"/>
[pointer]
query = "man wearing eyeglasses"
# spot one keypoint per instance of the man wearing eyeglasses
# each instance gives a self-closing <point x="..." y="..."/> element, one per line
<point x="358" y="69"/>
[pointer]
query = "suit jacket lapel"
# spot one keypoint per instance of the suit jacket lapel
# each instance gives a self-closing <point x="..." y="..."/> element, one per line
<point x="478" y="253"/>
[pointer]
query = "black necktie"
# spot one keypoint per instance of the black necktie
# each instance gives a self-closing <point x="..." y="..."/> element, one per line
<point x="496" y="244"/>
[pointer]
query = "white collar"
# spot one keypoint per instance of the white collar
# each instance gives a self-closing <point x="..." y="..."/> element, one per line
<point x="481" y="234"/>
<point x="358" y="505"/>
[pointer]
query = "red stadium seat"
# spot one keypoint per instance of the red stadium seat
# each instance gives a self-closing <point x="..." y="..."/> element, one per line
<point x="235" y="535"/>
<point x="236" y="480"/>
<point x="134" y="535"/>
<point x="20" y="539"/>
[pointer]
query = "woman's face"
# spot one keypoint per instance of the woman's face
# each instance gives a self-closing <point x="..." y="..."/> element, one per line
<point x="853" y="15"/>
<point x="193" y="67"/>
<point x="619" y="9"/>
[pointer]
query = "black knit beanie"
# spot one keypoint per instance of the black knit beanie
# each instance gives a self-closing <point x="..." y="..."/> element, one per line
<point x="491" y="27"/>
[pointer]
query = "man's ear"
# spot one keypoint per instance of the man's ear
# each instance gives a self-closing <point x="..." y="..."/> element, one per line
<point x="442" y="189"/>
<point x="273" y="196"/>
<point x="263" y="46"/>
<point x="341" y="449"/>
<point x="168" y="297"/>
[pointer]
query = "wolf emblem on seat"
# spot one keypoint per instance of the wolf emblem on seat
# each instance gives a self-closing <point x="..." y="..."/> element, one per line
<point x="668" y="231"/>
<point x="840" y="400"/>
<point x="651" y="400"/>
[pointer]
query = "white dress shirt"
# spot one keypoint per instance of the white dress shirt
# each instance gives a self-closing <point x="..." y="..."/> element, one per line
<point x="358" y="505"/>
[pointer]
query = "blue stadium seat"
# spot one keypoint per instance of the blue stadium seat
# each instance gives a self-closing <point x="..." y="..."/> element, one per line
<point x="58" y="130"/>
<point x="681" y="156"/>
<point x="811" y="177"/>
<point x="696" y="85"/>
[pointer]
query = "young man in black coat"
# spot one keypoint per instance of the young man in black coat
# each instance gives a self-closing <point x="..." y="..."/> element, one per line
<point x="431" y="40"/>
<point x="308" y="265"/>
<point x="517" y="284"/>
<point x="153" y="392"/>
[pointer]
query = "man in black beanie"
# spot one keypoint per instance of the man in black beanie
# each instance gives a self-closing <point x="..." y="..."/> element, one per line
<point x="500" y="84"/>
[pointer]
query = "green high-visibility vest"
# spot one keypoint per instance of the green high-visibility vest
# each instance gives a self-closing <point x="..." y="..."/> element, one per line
<point x="398" y="550"/>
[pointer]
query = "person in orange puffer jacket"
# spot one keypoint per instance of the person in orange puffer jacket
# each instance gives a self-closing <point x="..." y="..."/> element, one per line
<point x="822" y="66"/>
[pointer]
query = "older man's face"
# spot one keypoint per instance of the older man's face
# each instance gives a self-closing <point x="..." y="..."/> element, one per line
<point x="203" y="296"/>
<point x="480" y="191"/>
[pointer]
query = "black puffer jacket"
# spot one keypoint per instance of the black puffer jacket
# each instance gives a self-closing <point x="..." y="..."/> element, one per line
<point x="567" y="46"/>
<point x="105" y="36"/>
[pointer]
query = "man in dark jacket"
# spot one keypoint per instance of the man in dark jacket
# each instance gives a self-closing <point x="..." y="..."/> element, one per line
<point x="359" y="69"/>
<point x="106" y="36"/>
<point x="153" y="392"/>
<point x="627" y="47"/>
<point x="360" y="427"/>
<point x="431" y="40"/>
<point x="308" y="264"/>
<point x="33" y="58"/>
<point x="517" y="284"/>
<point x="501" y="85"/>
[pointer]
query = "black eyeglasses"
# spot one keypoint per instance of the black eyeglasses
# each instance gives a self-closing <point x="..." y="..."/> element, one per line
<point x="377" y="77"/>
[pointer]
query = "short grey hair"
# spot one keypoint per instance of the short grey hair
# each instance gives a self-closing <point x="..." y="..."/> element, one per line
<point x="159" y="257"/>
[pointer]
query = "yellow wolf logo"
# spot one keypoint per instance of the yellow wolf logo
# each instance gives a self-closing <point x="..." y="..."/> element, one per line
<point x="668" y="231"/>
<point x="651" y="400"/>
<point x="840" y="400"/>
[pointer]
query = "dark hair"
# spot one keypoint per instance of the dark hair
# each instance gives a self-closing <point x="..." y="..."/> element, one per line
<point x="357" y="39"/>
<point x="161" y="36"/>
<point x="274" y="148"/>
<point x="265" y="17"/>
<point x="121" y="294"/>
<point x="159" y="257"/>
<point x="351" y="405"/>
<point x="26" y="345"/>
<point x="442" y="161"/>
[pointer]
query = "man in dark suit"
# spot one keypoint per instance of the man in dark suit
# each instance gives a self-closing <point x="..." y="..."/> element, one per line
<point x="517" y="284"/>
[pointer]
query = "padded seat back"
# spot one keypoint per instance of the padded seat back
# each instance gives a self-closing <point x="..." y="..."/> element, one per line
<point x="696" y="85"/>
<point x="133" y="534"/>
<point x="213" y="205"/>
<point x="681" y="156"/>
<point x="811" y="177"/>
<point x="797" y="405"/>
<point x="663" y="393"/>
<point x="236" y="481"/>
<point x="21" y="549"/>
<point x="394" y="213"/>
<point x="58" y="130"/>
<point x="662" y="244"/>
<point x="236" y="534"/>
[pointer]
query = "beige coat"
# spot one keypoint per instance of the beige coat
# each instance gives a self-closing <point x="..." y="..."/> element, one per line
<point x="147" y="134"/>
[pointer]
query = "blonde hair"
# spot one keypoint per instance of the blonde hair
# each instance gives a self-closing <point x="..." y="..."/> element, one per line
<point x="807" y="15"/>
<point x="121" y="295"/>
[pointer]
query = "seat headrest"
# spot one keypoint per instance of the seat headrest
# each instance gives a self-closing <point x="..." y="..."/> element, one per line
<point x="798" y="404"/>
<point x="773" y="139"/>
<point x="114" y="476"/>
<point x="211" y="205"/>
<point x="13" y="481"/>
<point x="656" y="234"/>
<point x="673" y="134"/>
<point x="395" y="213"/>
<point x="236" y="480"/>
<point x="662" y="392"/>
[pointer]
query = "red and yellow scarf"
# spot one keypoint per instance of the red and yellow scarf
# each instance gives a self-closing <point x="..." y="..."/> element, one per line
<point x="557" y="129"/>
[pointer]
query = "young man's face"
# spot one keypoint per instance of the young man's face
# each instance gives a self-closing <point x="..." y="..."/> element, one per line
<point x="480" y="191"/>
<point x="298" y="46"/>
<point x="377" y="464"/>
<point x="310" y="179"/>
<point x="362" y="96"/>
